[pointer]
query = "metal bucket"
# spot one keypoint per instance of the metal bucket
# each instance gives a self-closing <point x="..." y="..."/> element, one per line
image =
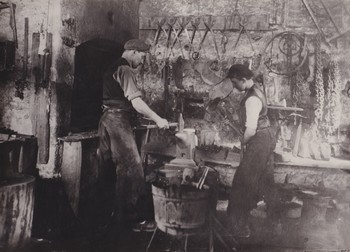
<point x="180" y="210"/>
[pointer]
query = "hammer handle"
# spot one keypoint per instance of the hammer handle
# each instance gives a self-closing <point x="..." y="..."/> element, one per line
<point x="156" y="127"/>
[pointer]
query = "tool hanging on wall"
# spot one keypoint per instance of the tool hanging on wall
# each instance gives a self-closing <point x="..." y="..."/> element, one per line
<point x="241" y="31"/>
<point x="224" y="39"/>
<point x="209" y="23"/>
<point x="187" y="35"/>
<point x="160" y="23"/>
<point x="170" y="23"/>
<point x="291" y="52"/>
<point x="13" y="22"/>
<point x="23" y="83"/>
<point x="183" y="23"/>
<point x="195" y="23"/>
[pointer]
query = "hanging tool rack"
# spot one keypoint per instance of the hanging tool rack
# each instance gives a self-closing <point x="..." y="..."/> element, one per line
<point x="194" y="31"/>
<point x="253" y="22"/>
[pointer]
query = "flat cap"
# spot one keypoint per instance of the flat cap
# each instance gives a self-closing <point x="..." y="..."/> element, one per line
<point x="136" y="44"/>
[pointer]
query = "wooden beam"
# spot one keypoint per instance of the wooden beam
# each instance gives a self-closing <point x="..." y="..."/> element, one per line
<point x="338" y="36"/>
<point x="4" y="6"/>
<point x="309" y="10"/>
<point x="330" y="16"/>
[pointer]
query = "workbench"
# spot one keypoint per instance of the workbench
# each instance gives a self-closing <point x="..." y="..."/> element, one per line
<point x="334" y="173"/>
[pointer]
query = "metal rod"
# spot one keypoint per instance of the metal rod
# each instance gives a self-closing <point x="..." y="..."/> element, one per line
<point x="13" y="22"/>
<point x="308" y="8"/>
<point x="149" y="244"/>
<point x="25" y="48"/>
<point x="330" y="16"/>
<point x="186" y="242"/>
<point x="155" y="126"/>
<point x="338" y="36"/>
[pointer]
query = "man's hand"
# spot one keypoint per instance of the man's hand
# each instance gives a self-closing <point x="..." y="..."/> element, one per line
<point x="162" y="123"/>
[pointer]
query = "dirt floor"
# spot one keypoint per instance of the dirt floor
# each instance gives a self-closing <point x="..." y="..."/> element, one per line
<point x="56" y="228"/>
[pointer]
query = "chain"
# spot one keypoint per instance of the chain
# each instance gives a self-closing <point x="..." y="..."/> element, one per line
<point x="297" y="88"/>
<point x="319" y="84"/>
<point x="328" y="96"/>
<point x="335" y="104"/>
<point x="333" y="108"/>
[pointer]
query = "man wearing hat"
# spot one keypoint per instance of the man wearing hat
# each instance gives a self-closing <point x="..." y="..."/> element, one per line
<point x="117" y="147"/>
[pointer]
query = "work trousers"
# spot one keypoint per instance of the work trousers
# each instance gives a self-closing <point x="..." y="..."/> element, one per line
<point x="118" y="151"/>
<point x="254" y="179"/>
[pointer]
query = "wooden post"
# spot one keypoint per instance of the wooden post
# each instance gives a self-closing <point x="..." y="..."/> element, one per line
<point x="71" y="172"/>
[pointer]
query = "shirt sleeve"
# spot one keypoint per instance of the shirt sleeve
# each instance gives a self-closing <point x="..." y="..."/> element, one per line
<point x="127" y="80"/>
<point x="253" y="107"/>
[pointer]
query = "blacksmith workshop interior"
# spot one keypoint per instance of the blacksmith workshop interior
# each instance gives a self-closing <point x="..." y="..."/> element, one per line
<point x="53" y="58"/>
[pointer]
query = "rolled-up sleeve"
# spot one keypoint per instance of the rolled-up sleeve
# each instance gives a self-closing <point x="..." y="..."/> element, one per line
<point x="127" y="80"/>
<point x="253" y="107"/>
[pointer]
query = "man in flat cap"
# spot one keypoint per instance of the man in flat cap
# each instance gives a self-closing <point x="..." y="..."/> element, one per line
<point x="117" y="147"/>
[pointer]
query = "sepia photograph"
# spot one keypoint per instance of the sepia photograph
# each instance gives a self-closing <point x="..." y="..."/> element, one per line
<point x="175" y="125"/>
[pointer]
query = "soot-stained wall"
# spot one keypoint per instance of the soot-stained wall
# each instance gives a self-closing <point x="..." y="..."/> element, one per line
<point x="69" y="24"/>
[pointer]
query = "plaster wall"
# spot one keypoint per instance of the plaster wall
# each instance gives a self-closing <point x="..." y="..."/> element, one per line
<point x="15" y="113"/>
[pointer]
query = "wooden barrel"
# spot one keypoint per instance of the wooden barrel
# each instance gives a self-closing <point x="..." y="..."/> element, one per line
<point x="16" y="211"/>
<point x="180" y="211"/>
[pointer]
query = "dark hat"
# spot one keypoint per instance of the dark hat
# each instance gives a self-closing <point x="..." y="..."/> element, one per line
<point x="239" y="71"/>
<point x="136" y="44"/>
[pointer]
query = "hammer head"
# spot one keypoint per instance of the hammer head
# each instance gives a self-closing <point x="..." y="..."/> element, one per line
<point x="297" y="115"/>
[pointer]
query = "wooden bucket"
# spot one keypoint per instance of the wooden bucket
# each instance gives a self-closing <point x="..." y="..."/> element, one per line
<point x="179" y="210"/>
<point x="16" y="211"/>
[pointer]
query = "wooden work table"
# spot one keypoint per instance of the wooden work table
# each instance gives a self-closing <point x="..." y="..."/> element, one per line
<point x="333" y="163"/>
<point x="334" y="173"/>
